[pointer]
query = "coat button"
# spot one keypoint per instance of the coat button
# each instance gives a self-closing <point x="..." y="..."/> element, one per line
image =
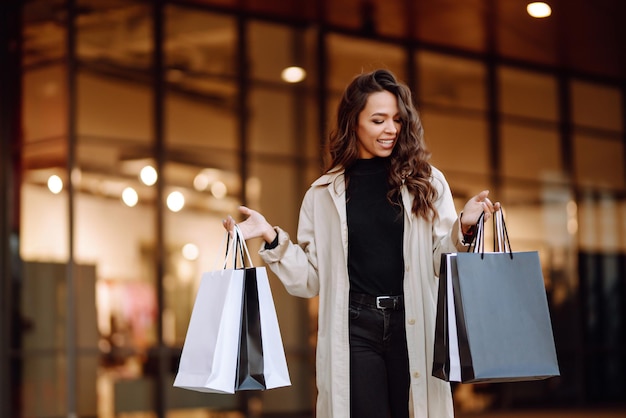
<point x="406" y="268"/>
<point x="416" y="375"/>
<point x="411" y="321"/>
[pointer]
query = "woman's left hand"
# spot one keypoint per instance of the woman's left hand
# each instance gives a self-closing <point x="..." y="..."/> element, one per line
<point x="474" y="207"/>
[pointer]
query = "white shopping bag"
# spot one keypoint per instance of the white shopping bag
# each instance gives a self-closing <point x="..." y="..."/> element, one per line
<point x="210" y="360"/>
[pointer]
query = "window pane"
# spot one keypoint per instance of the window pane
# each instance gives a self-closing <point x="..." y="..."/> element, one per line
<point x="201" y="176"/>
<point x="41" y="325"/>
<point x="459" y="150"/>
<point x="599" y="162"/>
<point x="199" y="45"/>
<point x="273" y="47"/>
<point x="280" y="188"/>
<point x="457" y="143"/>
<point x="44" y="159"/>
<point x="112" y="109"/>
<point x="282" y="123"/>
<point x="44" y="39"/>
<point x="114" y="217"/>
<point x="370" y="16"/>
<point x="282" y="115"/>
<point x="458" y="24"/>
<point x="349" y="57"/>
<point x="44" y="115"/>
<point x="597" y="106"/>
<point x="532" y="154"/>
<point x="452" y="99"/>
<point x="523" y="93"/>
<point x="602" y="223"/>
<point x="451" y="81"/>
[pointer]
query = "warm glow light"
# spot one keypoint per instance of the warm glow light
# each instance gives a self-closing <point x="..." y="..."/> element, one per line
<point x="572" y="208"/>
<point x="539" y="9"/>
<point x="55" y="184"/>
<point x="130" y="197"/>
<point x="218" y="190"/>
<point x="148" y="175"/>
<point x="175" y="201"/>
<point x="572" y="226"/>
<point x="204" y="179"/>
<point x="293" y="74"/>
<point x="190" y="252"/>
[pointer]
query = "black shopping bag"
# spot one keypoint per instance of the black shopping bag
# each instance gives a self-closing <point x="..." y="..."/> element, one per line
<point x="493" y="322"/>
<point x="250" y="359"/>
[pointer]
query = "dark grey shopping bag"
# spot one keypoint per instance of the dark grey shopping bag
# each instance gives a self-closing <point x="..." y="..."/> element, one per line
<point x="493" y="323"/>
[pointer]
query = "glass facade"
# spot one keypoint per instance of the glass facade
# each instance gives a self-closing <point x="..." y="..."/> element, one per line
<point x="135" y="127"/>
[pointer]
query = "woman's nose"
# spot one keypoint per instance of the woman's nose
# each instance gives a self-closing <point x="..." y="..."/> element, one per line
<point x="391" y="128"/>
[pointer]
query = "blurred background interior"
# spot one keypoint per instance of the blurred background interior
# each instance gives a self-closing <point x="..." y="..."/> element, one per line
<point x="129" y="129"/>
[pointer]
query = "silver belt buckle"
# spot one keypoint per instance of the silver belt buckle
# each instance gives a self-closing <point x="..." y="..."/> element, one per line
<point x="379" y="298"/>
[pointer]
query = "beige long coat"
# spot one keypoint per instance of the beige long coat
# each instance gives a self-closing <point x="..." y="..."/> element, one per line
<point x="317" y="265"/>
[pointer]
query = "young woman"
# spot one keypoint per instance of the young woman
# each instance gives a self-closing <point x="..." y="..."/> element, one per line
<point x="370" y="236"/>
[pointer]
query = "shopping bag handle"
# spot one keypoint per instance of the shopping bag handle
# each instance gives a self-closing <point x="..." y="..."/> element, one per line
<point x="501" y="242"/>
<point x="234" y="245"/>
<point x="477" y="245"/>
<point x="242" y="246"/>
<point x="231" y="247"/>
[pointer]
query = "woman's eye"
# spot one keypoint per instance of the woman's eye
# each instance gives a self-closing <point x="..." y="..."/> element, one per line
<point x="377" y="122"/>
<point x="398" y="121"/>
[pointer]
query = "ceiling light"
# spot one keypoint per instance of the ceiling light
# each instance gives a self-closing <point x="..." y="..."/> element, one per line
<point x="55" y="184"/>
<point x="538" y="9"/>
<point x="293" y="74"/>
<point x="148" y="175"/>
<point x="175" y="201"/>
<point x="203" y="179"/>
<point x="130" y="197"/>
<point x="190" y="252"/>
<point x="219" y="190"/>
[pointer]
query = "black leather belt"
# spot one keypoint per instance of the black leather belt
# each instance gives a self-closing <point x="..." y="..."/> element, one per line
<point x="394" y="303"/>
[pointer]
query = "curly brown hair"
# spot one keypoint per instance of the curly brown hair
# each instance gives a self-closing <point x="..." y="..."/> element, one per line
<point x="409" y="159"/>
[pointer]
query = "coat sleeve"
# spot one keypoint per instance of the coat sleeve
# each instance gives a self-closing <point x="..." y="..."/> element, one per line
<point x="446" y="231"/>
<point x="296" y="264"/>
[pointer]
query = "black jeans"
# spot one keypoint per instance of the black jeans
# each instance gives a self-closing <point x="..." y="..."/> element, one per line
<point x="379" y="363"/>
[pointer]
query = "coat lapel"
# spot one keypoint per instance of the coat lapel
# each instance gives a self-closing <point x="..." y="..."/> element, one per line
<point x="336" y="187"/>
<point x="407" y="202"/>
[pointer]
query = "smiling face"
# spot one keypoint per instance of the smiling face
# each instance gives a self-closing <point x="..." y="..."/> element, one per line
<point x="378" y="125"/>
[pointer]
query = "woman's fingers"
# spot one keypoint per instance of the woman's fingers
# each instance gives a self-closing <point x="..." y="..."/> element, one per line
<point x="229" y="224"/>
<point x="487" y="205"/>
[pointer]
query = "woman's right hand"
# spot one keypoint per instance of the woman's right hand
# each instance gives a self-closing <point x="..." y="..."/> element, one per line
<point x="254" y="226"/>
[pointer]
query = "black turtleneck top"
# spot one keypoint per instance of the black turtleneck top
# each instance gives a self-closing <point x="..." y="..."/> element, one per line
<point x="375" y="231"/>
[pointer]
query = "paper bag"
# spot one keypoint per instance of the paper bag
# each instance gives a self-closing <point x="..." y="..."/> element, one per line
<point x="233" y="340"/>
<point x="493" y="322"/>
